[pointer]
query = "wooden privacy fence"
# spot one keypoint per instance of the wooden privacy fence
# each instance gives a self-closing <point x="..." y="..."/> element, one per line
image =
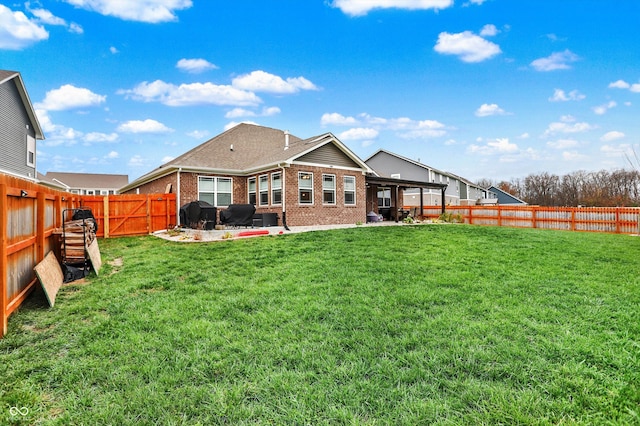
<point x="619" y="220"/>
<point x="31" y="214"/>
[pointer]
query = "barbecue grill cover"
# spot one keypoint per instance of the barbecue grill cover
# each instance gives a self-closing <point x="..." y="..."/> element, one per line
<point x="238" y="215"/>
<point x="196" y="211"/>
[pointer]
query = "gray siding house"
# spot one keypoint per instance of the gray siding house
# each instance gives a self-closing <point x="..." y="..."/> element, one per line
<point x="19" y="128"/>
<point x="459" y="191"/>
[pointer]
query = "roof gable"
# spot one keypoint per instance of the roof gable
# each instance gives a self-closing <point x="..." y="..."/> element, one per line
<point x="6" y="76"/>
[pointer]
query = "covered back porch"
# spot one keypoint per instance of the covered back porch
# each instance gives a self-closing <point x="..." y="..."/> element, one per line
<point x="385" y="196"/>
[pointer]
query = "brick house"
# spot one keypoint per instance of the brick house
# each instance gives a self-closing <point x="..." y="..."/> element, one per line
<point x="315" y="181"/>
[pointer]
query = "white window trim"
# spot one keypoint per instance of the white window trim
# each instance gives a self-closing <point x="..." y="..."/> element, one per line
<point x="260" y="191"/>
<point x="334" y="190"/>
<point x="274" y="189"/>
<point x="344" y="181"/>
<point x="215" y="188"/>
<point x="311" y="189"/>
<point x="31" y="150"/>
<point x="255" y="189"/>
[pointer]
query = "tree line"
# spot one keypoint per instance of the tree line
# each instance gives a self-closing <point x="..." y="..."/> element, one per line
<point x="581" y="188"/>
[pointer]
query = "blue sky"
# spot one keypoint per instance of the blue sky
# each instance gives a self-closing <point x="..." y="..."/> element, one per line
<point x="492" y="89"/>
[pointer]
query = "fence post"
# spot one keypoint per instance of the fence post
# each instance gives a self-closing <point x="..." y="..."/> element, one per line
<point x="618" y="227"/>
<point x="534" y="217"/>
<point x="105" y="225"/>
<point x="471" y="208"/>
<point x="149" y="221"/>
<point x="499" y="215"/>
<point x="3" y="259"/>
<point x="40" y="225"/>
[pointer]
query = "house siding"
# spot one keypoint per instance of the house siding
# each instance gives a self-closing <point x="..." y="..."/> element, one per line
<point x="328" y="154"/>
<point x="14" y="128"/>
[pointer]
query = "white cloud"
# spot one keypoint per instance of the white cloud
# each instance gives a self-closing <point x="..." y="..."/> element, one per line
<point x="602" y="109"/>
<point x="241" y="112"/>
<point x="362" y="7"/>
<point x="524" y="136"/>
<point x="100" y="137"/>
<point x="563" y="143"/>
<point x="144" y="126"/>
<point x="495" y="147"/>
<point x="566" y="126"/>
<point x="17" y="31"/>
<point x="487" y="110"/>
<point x="559" y="95"/>
<point x="46" y="17"/>
<point x="198" y="134"/>
<point x="422" y="129"/>
<point x="557" y="61"/>
<point x="195" y="66"/>
<point x="166" y="159"/>
<point x="233" y="124"/>
<point x="114" y="50"/>
<point x="359" y="133"/>
<point x="466" y="45"/>
<point x="70" y="97"/>
<point x="151" y="11"/>
<point x="612" y="136"/>
<point x="113" y="155"/>
<point x="56" y="133"/>
<point x="191" y="94"/>
<point x="621" y="84"/>
<point x="136" y="161"/>
<point x="261" y="81"/>
<point x="335" y="119"/>
<point x="489" y="30"/>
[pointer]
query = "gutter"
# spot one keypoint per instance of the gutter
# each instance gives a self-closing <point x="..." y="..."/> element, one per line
<point x="284" y="198"/>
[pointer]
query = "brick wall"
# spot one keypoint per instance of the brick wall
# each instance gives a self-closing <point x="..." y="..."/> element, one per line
<point x="297" y="214"/>
<point x="319" y="213"/>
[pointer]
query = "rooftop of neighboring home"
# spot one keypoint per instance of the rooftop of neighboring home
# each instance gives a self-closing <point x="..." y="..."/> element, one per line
<point x="88" y="183"/>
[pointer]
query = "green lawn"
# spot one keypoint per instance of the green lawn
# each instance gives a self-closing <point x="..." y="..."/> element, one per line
<point x="438" y="324"/>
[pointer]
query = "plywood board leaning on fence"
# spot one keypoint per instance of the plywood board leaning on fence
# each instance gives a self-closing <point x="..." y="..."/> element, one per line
<point x="50" y="276"/>
<point x="93" y="251"/>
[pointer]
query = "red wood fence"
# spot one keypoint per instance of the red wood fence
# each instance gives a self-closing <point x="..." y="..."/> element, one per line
<point x="619" y="220"/>
<point x="30" y="214"/>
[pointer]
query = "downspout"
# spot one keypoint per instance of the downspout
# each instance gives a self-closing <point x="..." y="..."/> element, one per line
<point x="284" y="198"/>
<point x="178" y="198"/>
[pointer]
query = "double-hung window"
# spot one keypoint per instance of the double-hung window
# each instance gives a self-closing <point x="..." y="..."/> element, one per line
<point x="328" y="189"/>
<point x="384" y="197"/>
<point x="276" y="188"/>
<point x="349" y="190"/>
<point x="305" y="188"/>
<point x="216" y="191"/>
<point x="264" y="190"/>
<point x="252" y="191"/>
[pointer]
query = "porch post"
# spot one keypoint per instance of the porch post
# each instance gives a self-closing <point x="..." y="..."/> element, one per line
<point x="444" y="200"/>
<point x="397" y="207"/>
<point x="421" y="203"/>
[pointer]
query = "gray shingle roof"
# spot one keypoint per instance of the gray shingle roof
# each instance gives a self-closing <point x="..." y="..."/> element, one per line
<point x="253" y="146"/>
<point x="87" y="180"/>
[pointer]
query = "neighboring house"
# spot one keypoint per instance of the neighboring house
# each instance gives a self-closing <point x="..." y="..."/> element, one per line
<point x="471" y="194"/>
<point x="305" y="181"/>
<point x="19" y="128"/>
<point x="504" y="197"/>
<point x="84" y="183"/>
<point x="459" y="191"/>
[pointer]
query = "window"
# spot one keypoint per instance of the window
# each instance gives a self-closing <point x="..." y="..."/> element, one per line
<point x="216" y="191"/>
<point x="305" y="188"/>
<point x="31" y="151"/>
<point x="328" y="189"/>
<point x="349" y="190"/>
<point x="252" y="191"/>
<point x="276" y="188"/>
<point x="384" y="197"/>
<point x="264" y="190"/>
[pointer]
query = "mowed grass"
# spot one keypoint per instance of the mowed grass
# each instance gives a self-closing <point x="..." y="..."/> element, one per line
<point x="439" y="324"/>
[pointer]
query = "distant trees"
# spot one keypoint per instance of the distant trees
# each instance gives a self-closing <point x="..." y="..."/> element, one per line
<point x="603" y="188"/>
